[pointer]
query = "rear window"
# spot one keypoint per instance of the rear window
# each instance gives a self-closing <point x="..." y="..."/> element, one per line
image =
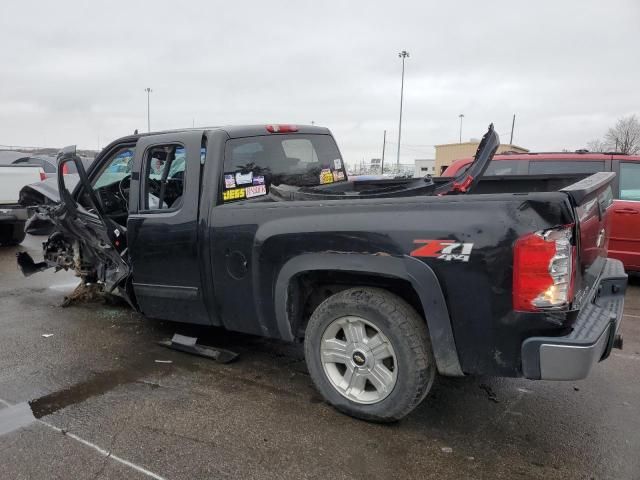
<point x="564" y="166"/>
<point x="253" y="164"/>
<point x="506" y="167"/>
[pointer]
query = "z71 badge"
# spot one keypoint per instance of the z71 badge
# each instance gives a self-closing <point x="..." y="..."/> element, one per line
<point x="443" y="250"/>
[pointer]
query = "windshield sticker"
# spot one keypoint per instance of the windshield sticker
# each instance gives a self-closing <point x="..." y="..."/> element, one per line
<point x="337" y="163"/>
<point x="447" y="250"/>
<point x="229" y="181"/>
<point x="338" y="175"/>
<point x="256" y="191"/>
<point x="244" y="178"/>
<point x="235" y="194"/>
<point x="258" y="180"/>
<point x="326" y="176"/>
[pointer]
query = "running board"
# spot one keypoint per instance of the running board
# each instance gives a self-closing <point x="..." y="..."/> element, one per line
<point x="186" y="344"/>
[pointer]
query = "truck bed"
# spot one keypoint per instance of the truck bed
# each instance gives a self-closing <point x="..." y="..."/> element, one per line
<point x="413" y="187"/>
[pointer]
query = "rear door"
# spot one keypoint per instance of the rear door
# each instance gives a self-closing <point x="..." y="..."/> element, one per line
<point x="163" y="228"/>
<point x="624" y="243"/>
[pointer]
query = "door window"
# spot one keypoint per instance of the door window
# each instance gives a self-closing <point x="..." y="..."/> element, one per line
<point x="630" y="181"/>
<point x="164" y="168"/>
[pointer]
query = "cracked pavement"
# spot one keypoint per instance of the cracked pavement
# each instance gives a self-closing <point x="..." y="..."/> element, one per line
<point x="98" y="380"/>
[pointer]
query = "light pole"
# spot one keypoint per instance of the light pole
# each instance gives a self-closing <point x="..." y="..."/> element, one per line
<point x="461" y="116"/>
<point x="403" y="55"/>
<point x="148" y="90"/>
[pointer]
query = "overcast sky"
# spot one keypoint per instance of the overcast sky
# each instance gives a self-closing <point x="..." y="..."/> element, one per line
<point x="75" y="72"/>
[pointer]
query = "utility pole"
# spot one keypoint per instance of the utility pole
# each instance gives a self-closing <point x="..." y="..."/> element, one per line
<point x="513" y="124"/>
<point x="148" y="90"/>
<point x="384" y="144"/>
<point x="403" y="55"/>
<point x="461" y="116"/>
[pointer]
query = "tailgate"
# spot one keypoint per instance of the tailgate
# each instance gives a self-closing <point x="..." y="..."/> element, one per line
<point x="13" y="178"/>
<point x="592" y="198"/>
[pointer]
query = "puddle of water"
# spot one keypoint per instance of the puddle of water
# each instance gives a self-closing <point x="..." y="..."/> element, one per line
<point x="14" y="417"/>
<point x="97" y="385"/>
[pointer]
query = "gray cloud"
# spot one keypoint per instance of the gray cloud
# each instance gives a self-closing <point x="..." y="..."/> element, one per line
<point x="75" y="72"/>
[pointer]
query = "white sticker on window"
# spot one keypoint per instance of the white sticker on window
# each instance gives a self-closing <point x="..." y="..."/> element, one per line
<point x="256" y="191"/>
<point x="337" y="163"/>
<point x="244" y="178"/>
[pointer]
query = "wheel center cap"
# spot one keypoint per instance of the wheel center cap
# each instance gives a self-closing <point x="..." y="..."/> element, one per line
<point x="359" y="358"/>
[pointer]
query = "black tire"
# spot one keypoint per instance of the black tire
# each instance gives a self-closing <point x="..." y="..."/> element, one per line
<point x="12" y="234"/>
<point x="405" y="330"/>
<point x="18" y="234"/>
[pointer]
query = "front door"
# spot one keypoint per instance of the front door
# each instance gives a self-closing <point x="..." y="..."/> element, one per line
<point x="624" y="243"/>
<point x="89" y="216"/>
<point x="163" y="229"/>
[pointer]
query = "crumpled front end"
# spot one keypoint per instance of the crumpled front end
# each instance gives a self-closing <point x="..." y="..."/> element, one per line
<point x="73" y="243"/>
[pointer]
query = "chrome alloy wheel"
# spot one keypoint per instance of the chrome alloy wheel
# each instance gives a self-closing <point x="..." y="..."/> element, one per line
<point x="358" y="359"/>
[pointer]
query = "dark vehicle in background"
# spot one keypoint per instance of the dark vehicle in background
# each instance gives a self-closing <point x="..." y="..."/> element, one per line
<point x="257" y="229"/>
<point x="624" y="242"/>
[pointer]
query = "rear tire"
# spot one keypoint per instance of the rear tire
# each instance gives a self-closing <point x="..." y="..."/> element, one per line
<point x="369" y="354"/>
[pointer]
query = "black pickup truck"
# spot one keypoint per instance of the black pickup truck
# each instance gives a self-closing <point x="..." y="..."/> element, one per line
<point x="258" y="229"/>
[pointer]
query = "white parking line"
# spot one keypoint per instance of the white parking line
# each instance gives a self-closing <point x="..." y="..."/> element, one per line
<point x="95" y="447"/>
<point x="624" y="355"/>
<point x="631" y="316"/>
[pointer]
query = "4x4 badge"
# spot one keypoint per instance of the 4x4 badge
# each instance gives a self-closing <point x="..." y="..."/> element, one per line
<point x="447" y="250"/>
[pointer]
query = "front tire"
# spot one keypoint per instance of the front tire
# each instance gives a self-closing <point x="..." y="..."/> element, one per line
<point x="368" y="353"/>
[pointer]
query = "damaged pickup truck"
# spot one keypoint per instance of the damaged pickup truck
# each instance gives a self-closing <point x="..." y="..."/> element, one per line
<point x="258" y="229"/>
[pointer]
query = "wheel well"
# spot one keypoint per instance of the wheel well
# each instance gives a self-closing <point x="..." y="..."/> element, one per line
<point x="309" y="289"/>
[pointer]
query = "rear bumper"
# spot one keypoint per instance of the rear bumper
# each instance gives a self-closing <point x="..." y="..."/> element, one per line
<point x="13" y="214"/>
<point x="571" y="357"/>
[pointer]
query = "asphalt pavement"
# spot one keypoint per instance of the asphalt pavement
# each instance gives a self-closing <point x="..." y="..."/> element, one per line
<point x="86" y="392"/>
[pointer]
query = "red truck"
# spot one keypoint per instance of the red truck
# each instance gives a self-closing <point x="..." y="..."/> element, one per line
<point x="624" y="242"/>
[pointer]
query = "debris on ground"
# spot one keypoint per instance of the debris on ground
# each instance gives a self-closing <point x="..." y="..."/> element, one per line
<point x="490" y="393"/>
<point x="577" y="389"/>
<point x="186" y="344"/>
<point x="447" y="449"/>
<point x="90" y="293"/>
<point x="164" y="361"/>
<point x="47" y="335"/>
<point x="83" y="293"/>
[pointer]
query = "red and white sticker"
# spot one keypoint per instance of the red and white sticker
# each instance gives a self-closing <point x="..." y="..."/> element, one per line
<point x="256" y="191"/>
<point x="447" y="250"/>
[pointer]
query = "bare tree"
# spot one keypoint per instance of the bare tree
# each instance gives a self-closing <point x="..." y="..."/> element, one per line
<point x="625" y="136"/>
<point x="597" y="146"/>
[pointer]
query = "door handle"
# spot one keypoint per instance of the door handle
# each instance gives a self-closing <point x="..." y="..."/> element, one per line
<point x="628" y="211"/>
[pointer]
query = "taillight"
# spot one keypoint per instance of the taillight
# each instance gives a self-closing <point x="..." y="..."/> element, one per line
<point x="543" y="270"/>
<point x="281" y="128"/>
<point x="43" y="177"/>
<point x="65" y="169"/>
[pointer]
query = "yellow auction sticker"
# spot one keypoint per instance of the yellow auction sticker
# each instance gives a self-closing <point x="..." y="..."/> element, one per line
<point x="234" y="194"/>
<point x="326" y="176"/>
